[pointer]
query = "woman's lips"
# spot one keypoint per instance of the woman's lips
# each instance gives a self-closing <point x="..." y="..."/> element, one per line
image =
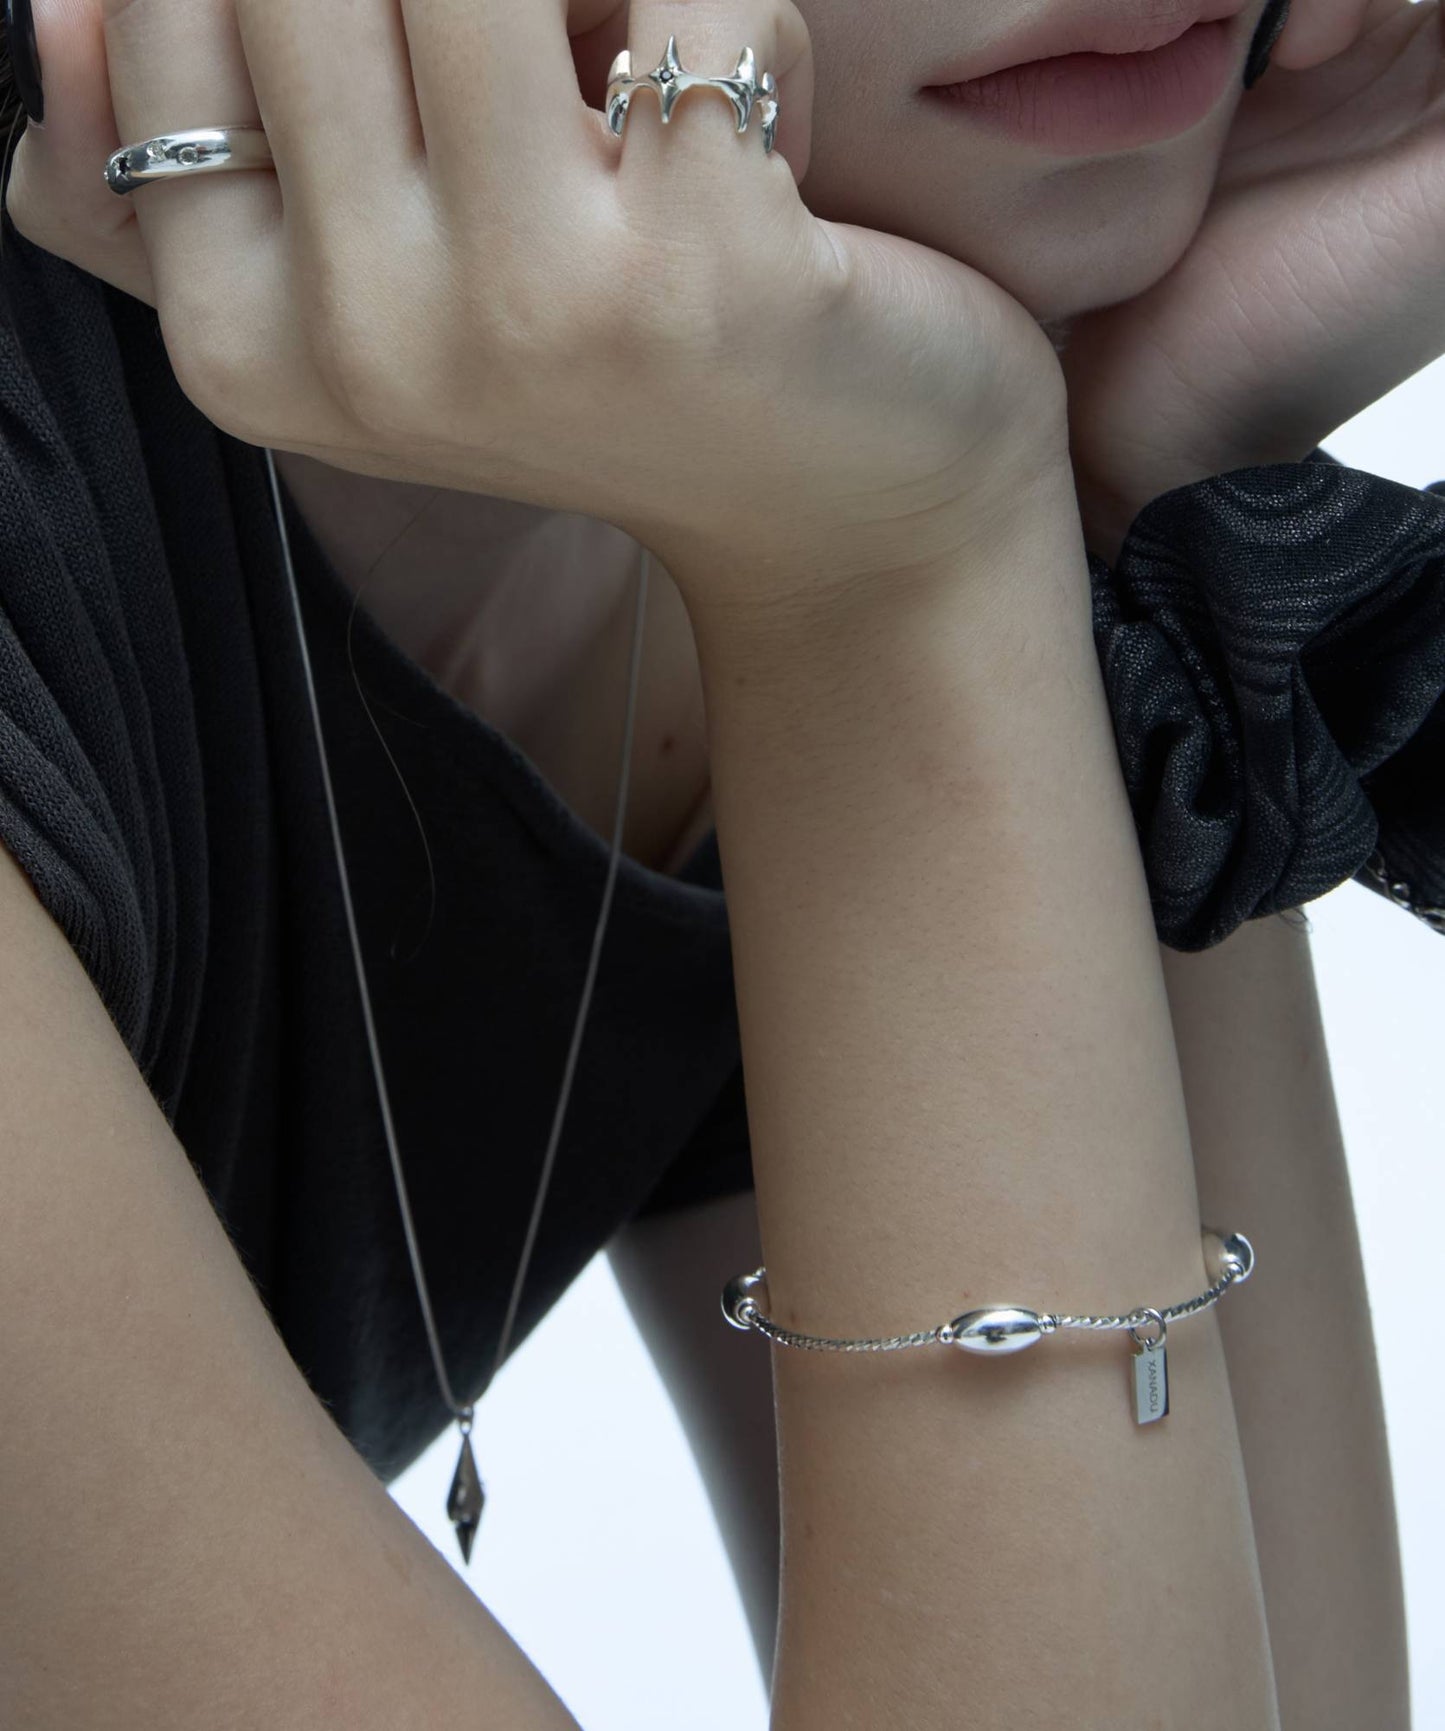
<point x="1085" y="104"/>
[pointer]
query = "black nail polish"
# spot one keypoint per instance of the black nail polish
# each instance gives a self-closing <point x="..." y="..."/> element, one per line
<point x="24" y="57"/>
<point x="1271" y="27"/>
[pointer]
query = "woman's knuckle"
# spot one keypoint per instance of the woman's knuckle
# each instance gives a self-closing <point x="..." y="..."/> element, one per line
<point x="355" y="346"/>
<point x="508" y="320"/>
<point x="519" y="291"/>
<point x="661" y="299"/>
<point x="194" y="343"/>
<point x="215" y="363"/>
<point x="363" y="394"/>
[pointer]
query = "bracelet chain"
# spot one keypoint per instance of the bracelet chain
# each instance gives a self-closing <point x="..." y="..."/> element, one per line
<point x="1047" y="1323"/>
<point x="1401" y="893"/>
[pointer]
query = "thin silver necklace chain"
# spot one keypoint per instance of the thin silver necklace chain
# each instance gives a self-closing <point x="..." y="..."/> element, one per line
<point x="466" y="1497"/>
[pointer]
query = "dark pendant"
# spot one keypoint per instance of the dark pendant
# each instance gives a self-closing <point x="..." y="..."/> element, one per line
<point x="466" y="1499"/>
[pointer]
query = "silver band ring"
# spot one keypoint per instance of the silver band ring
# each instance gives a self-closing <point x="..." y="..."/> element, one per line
<point x="201" y="150"/>
<point x="211" y="149"/>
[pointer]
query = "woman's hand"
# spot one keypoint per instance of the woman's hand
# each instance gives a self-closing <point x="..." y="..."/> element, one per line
<point x="1315" y="284"/>
<point x="457" y="275"/>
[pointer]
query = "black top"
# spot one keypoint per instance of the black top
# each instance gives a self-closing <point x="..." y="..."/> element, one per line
<point x="1273" y="650"/>
<point x="160" y="785"/>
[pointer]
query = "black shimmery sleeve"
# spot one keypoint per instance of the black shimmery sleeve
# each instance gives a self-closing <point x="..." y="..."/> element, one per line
<point x="1273" y="649"/>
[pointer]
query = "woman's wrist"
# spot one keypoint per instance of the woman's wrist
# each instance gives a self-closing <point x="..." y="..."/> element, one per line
<point x="926" y="840"/>
<point x="963" y="1090"/>
<point x="965" y="595"/>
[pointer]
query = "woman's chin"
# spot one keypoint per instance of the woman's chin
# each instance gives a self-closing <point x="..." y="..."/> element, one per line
<point x="1062" y="244"/>
<point x="1059" y="287"/>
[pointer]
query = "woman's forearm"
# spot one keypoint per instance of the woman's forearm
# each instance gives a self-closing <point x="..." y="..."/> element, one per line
<point x="963" y="1090"/>
<point x="1301" y="1352"/>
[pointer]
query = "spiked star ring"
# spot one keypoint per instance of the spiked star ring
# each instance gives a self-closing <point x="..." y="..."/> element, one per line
<point x="742" y="87"/>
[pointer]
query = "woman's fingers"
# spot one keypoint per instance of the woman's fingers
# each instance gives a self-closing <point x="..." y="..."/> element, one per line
<point x="333" y="81"/>
<point x="176" y="64"/>
<point x="56" y="193"/>
<point x="352" y="93"/>
<point x="1318" y="30"/>
<point x="497" y="90"/>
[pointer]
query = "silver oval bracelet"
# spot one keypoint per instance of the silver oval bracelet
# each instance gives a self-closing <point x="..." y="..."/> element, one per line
<point x="1228" y="1259"/>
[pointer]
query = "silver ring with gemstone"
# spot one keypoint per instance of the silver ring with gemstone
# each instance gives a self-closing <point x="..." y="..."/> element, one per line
<point x="199" y="150"/>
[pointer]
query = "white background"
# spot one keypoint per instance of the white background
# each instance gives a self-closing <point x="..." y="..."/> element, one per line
<point x="598" y="1550"/>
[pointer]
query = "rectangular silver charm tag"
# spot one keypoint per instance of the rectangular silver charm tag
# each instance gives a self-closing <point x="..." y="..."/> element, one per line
<point x="1151" y="1383"/>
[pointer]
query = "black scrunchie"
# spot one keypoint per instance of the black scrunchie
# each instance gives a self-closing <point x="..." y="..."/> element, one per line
<point x="1273" y="649"/>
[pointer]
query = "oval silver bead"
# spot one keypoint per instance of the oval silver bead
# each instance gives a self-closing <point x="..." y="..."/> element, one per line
<point x="1230" y="1253"/>
<point x="1004" y="1329"/>
<point x="751" y="1289"/>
